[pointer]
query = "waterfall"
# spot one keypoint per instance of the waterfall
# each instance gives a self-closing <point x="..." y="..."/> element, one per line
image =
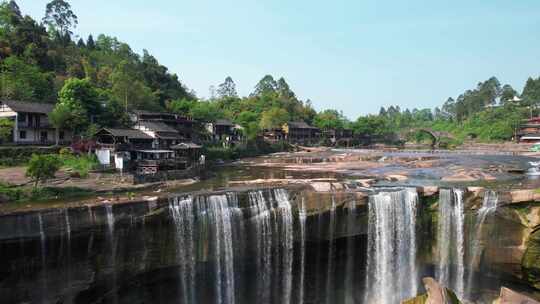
<point x="330" y="270"/>
<point x="68" y="225"/>
<point x="350" y="265"/>
<point x="451" y="240"/>
<point x="43" y="251"/>
<point x="392" y="273"/>
<point x="286" y="240"/>
<point x="110" y="220"/>
<point x="263" y="232"/>
<point x="302" y="221"/>
<point x="110" y="227"/>
<point x="489" y="206"/>
<point x="221" y="220"/>
<point x="182" y="214"/>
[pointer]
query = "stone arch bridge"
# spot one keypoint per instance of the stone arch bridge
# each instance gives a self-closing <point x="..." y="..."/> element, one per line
<point x="435" y="136"/>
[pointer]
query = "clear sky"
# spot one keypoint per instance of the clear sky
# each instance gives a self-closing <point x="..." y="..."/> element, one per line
<point x="355" y="55"/>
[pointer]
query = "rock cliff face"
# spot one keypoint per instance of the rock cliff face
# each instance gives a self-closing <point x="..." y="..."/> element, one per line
<point x="131" y="251"/>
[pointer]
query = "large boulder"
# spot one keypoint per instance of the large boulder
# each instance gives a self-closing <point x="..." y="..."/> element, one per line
<point x="509" y="296"/>
<point x="436" y="294"/>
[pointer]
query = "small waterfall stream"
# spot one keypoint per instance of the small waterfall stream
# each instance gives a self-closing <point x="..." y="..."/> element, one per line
<point x="451" y="240"/>
<point x="330" y="270"/>
<point x="302" y="221"/>
<point x="182" y="213"/>
<point x="392" y="274"/>
<point x="110" y="228"/>
<point x="351" y="255"/>
<point x="489" y="206"/>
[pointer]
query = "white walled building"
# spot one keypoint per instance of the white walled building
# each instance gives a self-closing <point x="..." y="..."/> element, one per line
<point x="31" y="123"/>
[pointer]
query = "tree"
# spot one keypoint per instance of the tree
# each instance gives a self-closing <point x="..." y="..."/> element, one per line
<point x="81" y="91"/>
<point x="60" y="17"/>
<point x="531" y="92"/>
<point x="130" y="90"/>
<point x="206" y="111"/>
<point x="274" y="118"/>
<point x="42" y="167"/>
<point x="183" y="106"/>
<point x="6" y="129"/>
<point x="22" y="81"/>
<point x="265" y="86"/>
<point x="80" y="43"/>
<point x="69" y="114"/>
<point x="329" y="119"/>
<point x="489" y="90"/>
<point x="90" y="42"/>
<point x="227" y="88"/>
<point x="284" y="90"/>
<point x="507" y="94"/>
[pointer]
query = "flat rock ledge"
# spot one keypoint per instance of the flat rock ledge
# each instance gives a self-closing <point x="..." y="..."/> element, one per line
<point x="438" y="294"/>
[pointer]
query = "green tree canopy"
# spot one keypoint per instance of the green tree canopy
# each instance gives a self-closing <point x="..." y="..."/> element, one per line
<point x="42" y="167"/>
<point x="274" y="118"/>
<point x="227" y="88"/>
<point x="329" y="119"/>
<point x="60" y="17"/>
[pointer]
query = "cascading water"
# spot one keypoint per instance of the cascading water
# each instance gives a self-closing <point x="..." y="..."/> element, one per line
<point x="451" y="240"/>
<point x="350" y="265"/>
<point x="392" y="273"/>
<point x="221" y="222"/>
<point x="110" y="229"/>
<point x="330" y="270"/>
<point x="182" y="213"/>
<point x="286" y="240"/>
<point x="43" y="251"/>
<point x="489" y="206"/>
<point x="218" y="219"/>
<point x="263" y="231"/>
<point x="302" y="221"/>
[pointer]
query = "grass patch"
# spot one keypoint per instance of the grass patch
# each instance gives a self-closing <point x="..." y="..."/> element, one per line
<point x="79" y="166"/>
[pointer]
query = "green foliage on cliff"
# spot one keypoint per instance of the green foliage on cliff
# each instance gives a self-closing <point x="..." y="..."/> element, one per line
<point x="531" y="259"/>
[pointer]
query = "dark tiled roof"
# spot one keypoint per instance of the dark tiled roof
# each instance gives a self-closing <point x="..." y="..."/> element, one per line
<point x="185" y="146"/>
<point x="300" y="125"/>
<point x="223" y="122"/>
<point x="129" y="133"/>
<point x="29" y="107"/>
<point x="157" y="126"/>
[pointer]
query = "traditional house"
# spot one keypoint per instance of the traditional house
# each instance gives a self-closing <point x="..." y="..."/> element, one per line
<point x="299" y="132"/>
<point x="164" y="135"/>
<point x="123" y="139"/>
<point x="529" y="131"/>
<point x="184" y="125"/>
<point x="339" y="136"/>
<point x="31" y="123"/>
<point x="223" y="130"/>
<point x="273" y="136"/>
<point x="189" y="151"/>
<point x="114" y="147"/>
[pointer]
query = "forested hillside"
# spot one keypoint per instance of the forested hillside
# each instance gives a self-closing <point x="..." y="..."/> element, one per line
<point x="94" y="81"/>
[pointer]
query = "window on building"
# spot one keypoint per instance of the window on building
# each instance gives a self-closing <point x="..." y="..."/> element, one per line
<point x="22" y="134"/>
<point x="44" y="136"/>
<point x="61" y="135"/>
<point x="21" y="117"/>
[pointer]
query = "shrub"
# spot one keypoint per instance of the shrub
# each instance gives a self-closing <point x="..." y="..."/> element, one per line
<point x="42" y="167"/>
<point x="81" y="165"/>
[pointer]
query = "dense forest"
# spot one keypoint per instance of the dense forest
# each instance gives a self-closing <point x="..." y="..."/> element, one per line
<point x="96" y="81"/>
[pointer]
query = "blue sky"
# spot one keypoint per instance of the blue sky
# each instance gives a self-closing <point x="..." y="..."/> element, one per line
<point x="354" y="55"/>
